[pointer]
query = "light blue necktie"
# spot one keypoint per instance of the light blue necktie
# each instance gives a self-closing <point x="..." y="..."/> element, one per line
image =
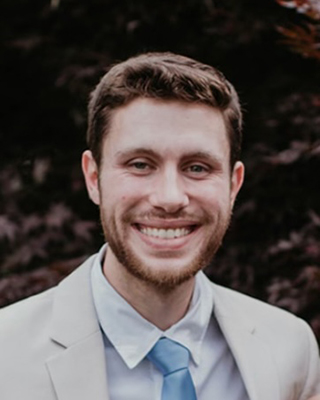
<point x="172" y="359"/>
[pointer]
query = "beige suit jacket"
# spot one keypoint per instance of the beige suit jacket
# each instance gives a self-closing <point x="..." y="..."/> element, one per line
<point x="51" y="347"/>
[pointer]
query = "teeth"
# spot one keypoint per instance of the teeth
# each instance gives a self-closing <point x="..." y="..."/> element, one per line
<point x="165" y="233"/>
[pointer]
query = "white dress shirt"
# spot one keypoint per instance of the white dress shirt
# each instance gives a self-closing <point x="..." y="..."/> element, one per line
<point x="129" y="337"/>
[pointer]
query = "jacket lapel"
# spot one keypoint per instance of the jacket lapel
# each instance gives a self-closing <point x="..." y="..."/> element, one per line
<point x="78" y="370"/>
<point x="252" y="355"/>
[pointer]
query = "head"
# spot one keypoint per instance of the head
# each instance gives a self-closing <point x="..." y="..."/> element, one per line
<point x="164" y="137"/>
<point x="162" y="76"/>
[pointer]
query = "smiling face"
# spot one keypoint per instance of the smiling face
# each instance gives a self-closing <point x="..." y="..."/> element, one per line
<point x="165" y="190"/>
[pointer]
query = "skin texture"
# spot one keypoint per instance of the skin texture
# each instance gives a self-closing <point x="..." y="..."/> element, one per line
<point x="165" y="166"/>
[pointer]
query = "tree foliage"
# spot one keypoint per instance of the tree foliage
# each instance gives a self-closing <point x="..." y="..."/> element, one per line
<point x="305" y="37"/>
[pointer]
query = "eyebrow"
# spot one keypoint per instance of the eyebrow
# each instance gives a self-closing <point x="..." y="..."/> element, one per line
<point x="136" y="150"/>
<point x="204" y="155"/>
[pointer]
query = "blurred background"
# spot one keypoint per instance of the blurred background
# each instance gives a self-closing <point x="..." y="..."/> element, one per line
<point x="52" y="54"/>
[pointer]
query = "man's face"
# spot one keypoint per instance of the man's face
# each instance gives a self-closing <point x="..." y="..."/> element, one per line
<point x="164" y="188"/>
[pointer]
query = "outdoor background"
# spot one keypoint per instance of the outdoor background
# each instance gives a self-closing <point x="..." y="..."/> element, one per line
<point x="51" y="56"/>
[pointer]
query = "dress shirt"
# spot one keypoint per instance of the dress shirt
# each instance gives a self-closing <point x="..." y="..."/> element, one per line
<point x="128" y="338"/>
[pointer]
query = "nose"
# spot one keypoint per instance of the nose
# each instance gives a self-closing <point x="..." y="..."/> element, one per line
<point x="169" y="192"/>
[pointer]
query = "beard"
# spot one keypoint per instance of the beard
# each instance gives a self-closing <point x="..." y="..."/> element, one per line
<point x="164" y="280"/>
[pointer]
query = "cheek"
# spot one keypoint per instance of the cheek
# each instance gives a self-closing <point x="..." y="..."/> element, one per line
<point x="120" y="198"/>
<point x="131" y="190"/>
<point x="212" y="192"/>
<point x="124" y="198"/>
<point x="213" y="197"/>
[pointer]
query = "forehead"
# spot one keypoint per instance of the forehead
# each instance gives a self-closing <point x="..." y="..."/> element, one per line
<point x="168" y="127"/>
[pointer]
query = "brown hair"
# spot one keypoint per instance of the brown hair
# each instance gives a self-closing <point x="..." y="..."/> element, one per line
<point x="163" y="76"/>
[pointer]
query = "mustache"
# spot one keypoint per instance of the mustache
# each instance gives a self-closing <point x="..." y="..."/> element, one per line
<point x="197" y="218"/>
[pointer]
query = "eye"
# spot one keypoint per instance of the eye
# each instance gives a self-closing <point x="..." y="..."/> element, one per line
<point x="197" y="169"/>
<point x="140" y="165"/>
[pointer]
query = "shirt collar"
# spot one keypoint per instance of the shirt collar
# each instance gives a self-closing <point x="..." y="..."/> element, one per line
<point x="132" y="335"/>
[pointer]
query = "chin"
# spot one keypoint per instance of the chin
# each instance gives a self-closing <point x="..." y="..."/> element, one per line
<point x="165" y="274"/>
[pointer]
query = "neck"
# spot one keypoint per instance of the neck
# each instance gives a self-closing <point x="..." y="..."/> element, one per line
<point x="163" y="308"/>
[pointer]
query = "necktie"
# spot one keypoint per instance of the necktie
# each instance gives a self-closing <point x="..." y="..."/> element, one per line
<point x="172" y="360"/>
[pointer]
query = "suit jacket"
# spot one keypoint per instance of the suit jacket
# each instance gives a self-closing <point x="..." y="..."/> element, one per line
<point x="51" y="346"/>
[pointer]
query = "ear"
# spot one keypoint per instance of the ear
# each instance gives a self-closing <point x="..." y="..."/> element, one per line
<point x="91" y="176"/>
<point x="236" y="180"/>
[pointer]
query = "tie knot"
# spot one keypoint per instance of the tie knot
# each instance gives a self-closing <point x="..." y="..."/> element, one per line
<point x="169" y="356"/>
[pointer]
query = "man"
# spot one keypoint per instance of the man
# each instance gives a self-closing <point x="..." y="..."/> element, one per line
<point x="164" y="135"/>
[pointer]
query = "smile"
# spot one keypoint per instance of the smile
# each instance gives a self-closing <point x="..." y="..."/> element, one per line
<point x="165" y="233"/>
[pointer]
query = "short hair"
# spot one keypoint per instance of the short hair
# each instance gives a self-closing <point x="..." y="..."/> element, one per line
<point x="162" y="76"/>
